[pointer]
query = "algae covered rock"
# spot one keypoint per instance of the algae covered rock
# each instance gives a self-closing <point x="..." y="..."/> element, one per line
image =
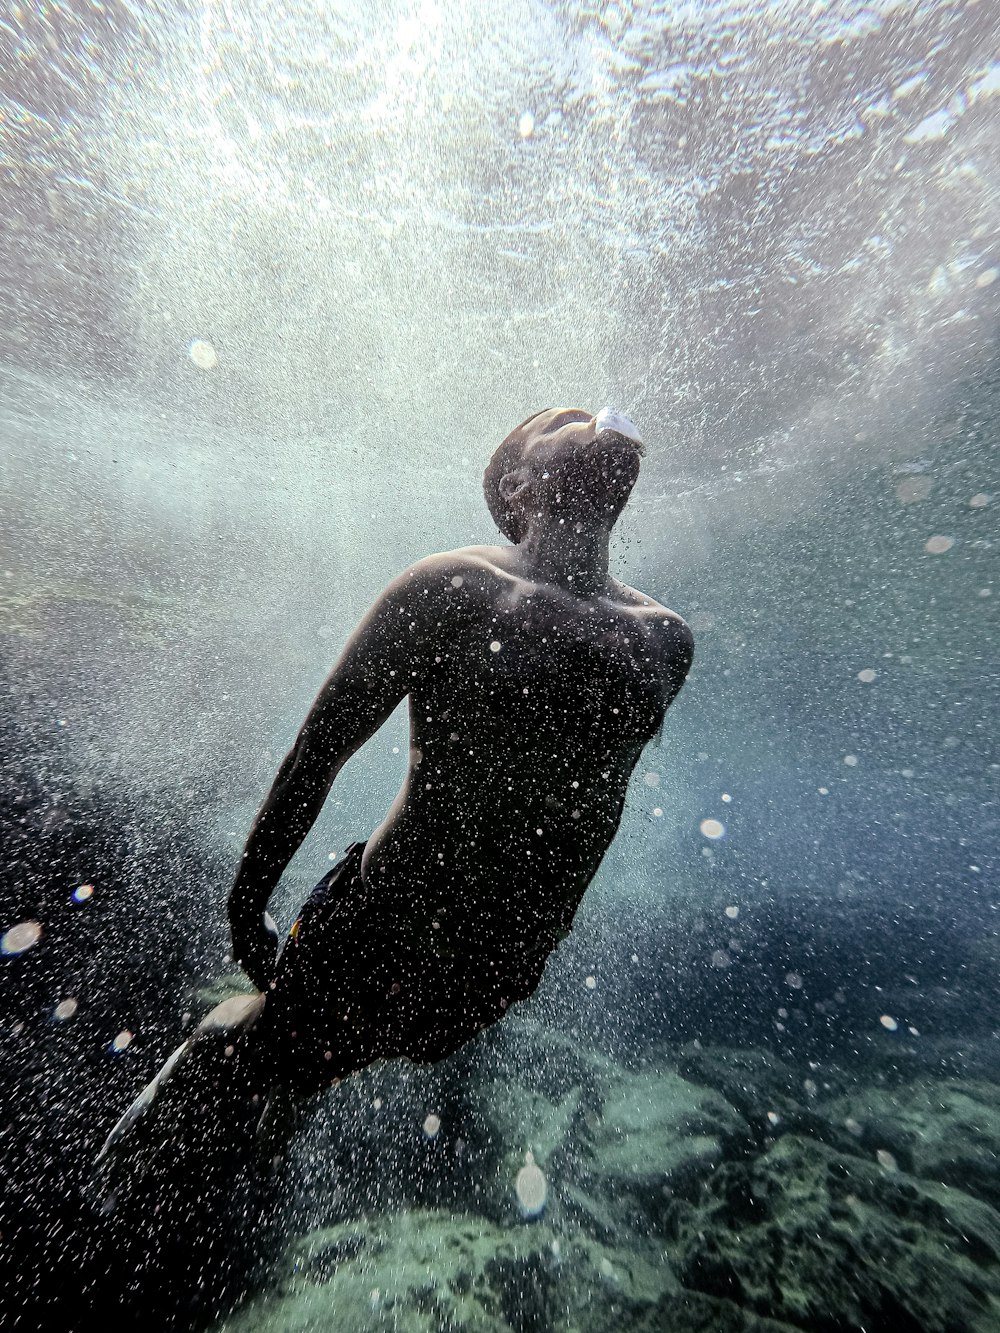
<point x="818" y="1239"/>
<point x="529" y="1133"/>
<point x="431" y="1271"/>
<point x="693" y="1312"/>
<point x="946" y="1131"/>
<point x="656" y="1136"/>
<point x="616" y="1145"/>
<point x="750" y="1079"/>
<point x="722" y="1192"/>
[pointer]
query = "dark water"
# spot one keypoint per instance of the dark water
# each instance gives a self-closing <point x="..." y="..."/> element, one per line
<point x="278" y="283"/>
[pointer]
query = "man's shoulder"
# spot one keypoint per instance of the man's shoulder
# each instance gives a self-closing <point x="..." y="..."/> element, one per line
<point x="666" y="625"/>
<point x="471" y="555"/>
<point x="448" y="578"/>
<point x="464" y="560"/>
<point x="642" y="601"/>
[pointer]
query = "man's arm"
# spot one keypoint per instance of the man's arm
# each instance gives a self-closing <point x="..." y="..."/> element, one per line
<point x="675" y="644"/>
<point x="373" y="674"/>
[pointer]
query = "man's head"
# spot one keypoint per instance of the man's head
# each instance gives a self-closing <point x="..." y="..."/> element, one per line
<point x="565" y="464"/>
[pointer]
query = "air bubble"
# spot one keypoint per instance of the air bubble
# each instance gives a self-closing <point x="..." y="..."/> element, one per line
<point x="25" y="935"/>
<point x="531" y="1188"/>
<point x="203" y="354"/>
<point x="938" y="545"/>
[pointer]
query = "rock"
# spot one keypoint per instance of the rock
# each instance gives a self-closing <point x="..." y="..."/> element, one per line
<point x="818" y="1239"/>
<point x="524" y="1120"/>
<point x="947" y="1131"/>
<point x="772" y="1098"/>
<point x="430" y="1270"/>
<point x="656" y="1137"/>
<point x="523" y="1089"/>
<point x="967" y="1057"/>
<point x="597" y="1219"/>
<point x="668" y="1205"/>
<point x="752" y="1080"/>
<point x="549" y="1060"/>
<point x="616" y="1146"/>
<point x="693" y="1312"/>
<point x="524" y="1124"/>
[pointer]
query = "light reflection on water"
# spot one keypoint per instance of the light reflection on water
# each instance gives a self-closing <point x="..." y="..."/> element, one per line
<point x="729" y="219"/>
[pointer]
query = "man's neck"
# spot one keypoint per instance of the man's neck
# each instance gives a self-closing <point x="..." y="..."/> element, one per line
<point x="566" y="554"/>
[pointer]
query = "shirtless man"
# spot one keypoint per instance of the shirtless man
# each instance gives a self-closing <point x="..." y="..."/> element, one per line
<point x="535" y="680"/>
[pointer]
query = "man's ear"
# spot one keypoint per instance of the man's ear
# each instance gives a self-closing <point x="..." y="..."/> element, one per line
<point x="514" y="486"/>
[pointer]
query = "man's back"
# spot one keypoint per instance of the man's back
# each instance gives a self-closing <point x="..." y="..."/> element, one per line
<point x="529" y="707"/>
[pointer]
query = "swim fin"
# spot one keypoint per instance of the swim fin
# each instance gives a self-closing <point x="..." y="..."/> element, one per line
<point x="192" y="1084"/>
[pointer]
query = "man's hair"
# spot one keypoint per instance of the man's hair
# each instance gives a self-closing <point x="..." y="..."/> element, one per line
<point x="506" y="458"/>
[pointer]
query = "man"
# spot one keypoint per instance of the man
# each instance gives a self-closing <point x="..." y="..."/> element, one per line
<point x="535" y="680"/>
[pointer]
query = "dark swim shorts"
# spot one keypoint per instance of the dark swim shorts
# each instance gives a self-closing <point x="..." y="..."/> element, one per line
<point x="361" y="979"/>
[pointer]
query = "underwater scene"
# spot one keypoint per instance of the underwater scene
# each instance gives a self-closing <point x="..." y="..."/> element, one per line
<point x="499" y="819"/>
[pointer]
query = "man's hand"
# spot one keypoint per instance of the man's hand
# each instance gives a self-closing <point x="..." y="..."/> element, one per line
<point x="255" y="945"/>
